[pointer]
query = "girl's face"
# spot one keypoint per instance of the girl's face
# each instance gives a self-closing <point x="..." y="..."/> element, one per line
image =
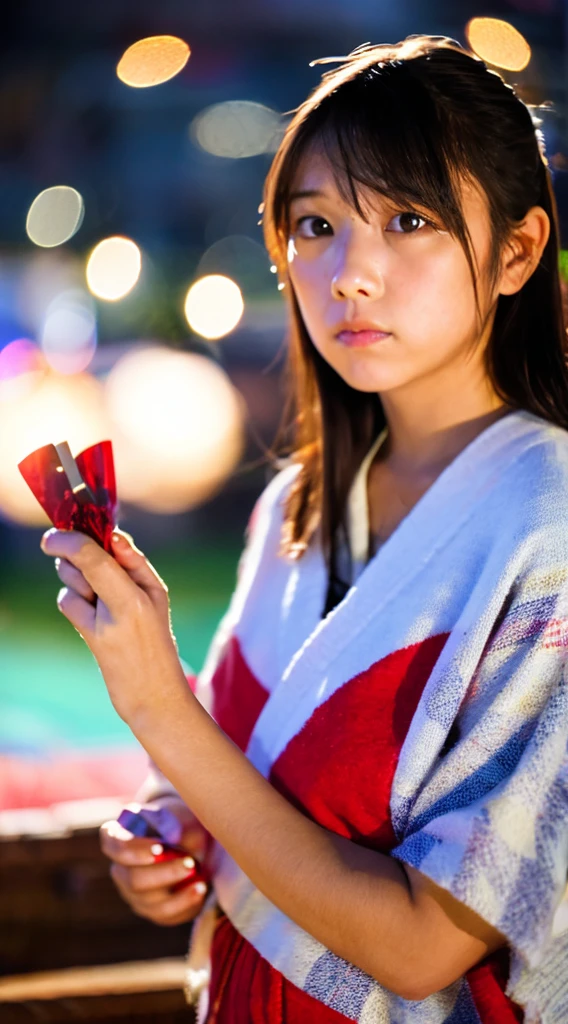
<point x="400" y="273"/>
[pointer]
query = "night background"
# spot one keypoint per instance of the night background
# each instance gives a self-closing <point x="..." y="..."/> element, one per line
<point x="176" y="172"/>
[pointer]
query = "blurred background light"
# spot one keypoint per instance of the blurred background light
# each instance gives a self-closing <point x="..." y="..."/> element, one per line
<point x="113" y="268"/>
<point x="240" y="258"/>
<point x="55" y="215"/>
<point x="237" y="128"/>
<point x="152" y="61"/>
<point x="21" y="368"/>
<point x="44" y="275"/>
<point x="213" y="306"/>
<point x="498" y="43"/>
<point x="69" y="336"/>
<point x="59" y="408"/>
<point x="177" y="427"/>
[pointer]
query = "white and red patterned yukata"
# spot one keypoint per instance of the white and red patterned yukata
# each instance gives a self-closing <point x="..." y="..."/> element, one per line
<point x="425" y="716"/>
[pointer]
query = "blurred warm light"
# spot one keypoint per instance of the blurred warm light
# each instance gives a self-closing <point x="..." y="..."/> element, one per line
<point x="237" y="128"/>
<point x="152" y="61"/>
<point x="21" y="368"/>
<point x="69" y="335"/>
<point x="177" y="427"/>
<point x="498" y="43"/>
<point x="55" y="215"/>
<point x="45" y="274"/>
<point x="213" y="306"/>
<point x="59" y="408"/>
<point x="113" y="268"/>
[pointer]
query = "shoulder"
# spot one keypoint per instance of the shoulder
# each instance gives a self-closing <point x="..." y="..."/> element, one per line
<point x="527" y="512"/>
<point x="535" y="482"/>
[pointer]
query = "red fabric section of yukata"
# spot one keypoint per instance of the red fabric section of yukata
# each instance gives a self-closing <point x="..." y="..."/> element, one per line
<point x="487" y="982"/>
<point x="338" y="770"/>
<point x="245" y="989"/>
<point x="238" y="697"/>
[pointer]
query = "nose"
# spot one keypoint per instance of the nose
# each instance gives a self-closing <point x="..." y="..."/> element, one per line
<point x="357" y="272"/>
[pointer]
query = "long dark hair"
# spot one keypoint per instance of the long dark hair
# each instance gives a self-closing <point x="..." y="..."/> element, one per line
<point x="407" y="120"/>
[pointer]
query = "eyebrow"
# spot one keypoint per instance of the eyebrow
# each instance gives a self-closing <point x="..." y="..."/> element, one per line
<point x="310" y="193"/>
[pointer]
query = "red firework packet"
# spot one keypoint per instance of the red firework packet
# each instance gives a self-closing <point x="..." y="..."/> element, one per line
<point x="76" y="493"/>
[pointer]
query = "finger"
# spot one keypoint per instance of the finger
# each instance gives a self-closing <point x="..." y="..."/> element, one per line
<point x="136" y="564"/>
<point x="80" y="613"/>
<point x="180" y="907"/>
<point x="109" y="581"/>
<point x="194" y="840"/>
<point x="121" y="846"/>
<point x="71" y="577"/>
<point x="154" y="876"/>
<point x="145" y="901"/>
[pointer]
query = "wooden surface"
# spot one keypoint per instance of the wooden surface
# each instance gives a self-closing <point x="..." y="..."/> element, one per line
<point x="58" y="905"/>
<point x="142" y="992"/>
<point x="108" y="979"/>
<point x="166" y="1007"/>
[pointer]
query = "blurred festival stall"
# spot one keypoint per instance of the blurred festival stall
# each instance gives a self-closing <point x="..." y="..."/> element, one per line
<point x="137" y="303"/>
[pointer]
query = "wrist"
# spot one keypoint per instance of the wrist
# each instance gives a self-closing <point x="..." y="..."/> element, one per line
<point x="168" y="710"/>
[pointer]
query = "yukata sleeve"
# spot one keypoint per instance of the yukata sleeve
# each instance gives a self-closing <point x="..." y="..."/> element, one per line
<point x="262" y="538"/>
<point x="490" y="824"/>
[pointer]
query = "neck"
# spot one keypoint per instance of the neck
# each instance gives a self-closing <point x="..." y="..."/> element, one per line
<point x="431" y="421"/>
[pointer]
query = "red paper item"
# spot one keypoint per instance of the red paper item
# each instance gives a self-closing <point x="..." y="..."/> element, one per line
<point x="197" y="874"/>
<point x="90" y="507"/>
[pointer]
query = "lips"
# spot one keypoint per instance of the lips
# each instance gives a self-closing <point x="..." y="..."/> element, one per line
<point x="361" y="339"/>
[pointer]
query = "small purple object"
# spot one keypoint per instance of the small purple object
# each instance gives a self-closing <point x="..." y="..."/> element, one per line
<point x="159" y="823"/>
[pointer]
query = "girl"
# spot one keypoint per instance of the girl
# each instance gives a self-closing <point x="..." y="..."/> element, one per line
<point x="393" y="846"/>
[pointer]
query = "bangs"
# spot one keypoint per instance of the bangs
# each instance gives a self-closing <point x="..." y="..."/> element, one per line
<point x="382" y="131"/>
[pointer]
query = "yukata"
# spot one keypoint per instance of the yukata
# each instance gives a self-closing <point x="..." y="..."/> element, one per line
<point x="425" y="716"/>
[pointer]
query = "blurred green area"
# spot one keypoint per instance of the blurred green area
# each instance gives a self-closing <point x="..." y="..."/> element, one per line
<point x="51" y="692"/>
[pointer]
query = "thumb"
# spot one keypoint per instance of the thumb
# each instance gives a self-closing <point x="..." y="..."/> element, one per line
<point x="194" y="839"/>
<point x="135" y="563"/>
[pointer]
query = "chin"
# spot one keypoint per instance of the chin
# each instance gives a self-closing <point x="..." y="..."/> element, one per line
<point x="369" y="379"/>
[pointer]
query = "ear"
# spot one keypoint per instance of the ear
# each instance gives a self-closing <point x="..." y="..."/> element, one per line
<point x="523" y="251"/>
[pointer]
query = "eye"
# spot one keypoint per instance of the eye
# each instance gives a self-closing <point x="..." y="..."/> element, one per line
<point x="312" y="227"/>
<point x="405" y="218"/>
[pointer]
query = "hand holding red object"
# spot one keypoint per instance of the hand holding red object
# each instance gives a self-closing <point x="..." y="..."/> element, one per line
<point x="77" y="494"/>
<point x="164" y="826"/>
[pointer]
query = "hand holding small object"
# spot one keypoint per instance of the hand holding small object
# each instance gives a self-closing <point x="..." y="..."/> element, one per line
<point x="166" y="888"/>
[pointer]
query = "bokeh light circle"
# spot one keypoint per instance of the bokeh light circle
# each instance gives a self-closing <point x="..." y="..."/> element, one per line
<point x="113" y="268"/>
<point x="177" y="427"/>
<point x="55" y="215"/>
<point x="46" y="274"/>
<point x="237" y="129"/>
<point x="240" y="258"/>
<point x="60" y="408"/>
<point x="152" y="60"/>
<point x="498" y="43"/>
<point x="69" y="333"/>
<point x="22" y="367"/>
<point x="213" y="306"/>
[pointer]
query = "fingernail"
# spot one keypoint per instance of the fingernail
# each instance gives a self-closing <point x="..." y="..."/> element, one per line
<point x="45" y="537"/>
<point x="200" y="888"/>
<point x="118" y="540"/>
<point x="188" y="862"/>
<point x="156" y="849"/>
